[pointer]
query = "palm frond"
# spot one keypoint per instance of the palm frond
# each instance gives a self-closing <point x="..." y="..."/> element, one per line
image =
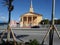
<point x="5" y="3"/>
<point x="6" y="0"/>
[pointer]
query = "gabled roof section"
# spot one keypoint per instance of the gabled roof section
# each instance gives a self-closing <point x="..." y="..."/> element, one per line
<point x="31" y="13"/>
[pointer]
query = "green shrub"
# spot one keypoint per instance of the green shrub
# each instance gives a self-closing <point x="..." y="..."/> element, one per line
<point x="33" y="42"/>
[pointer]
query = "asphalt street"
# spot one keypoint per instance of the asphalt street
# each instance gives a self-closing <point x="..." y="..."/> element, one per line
<point x="36" y="34"/>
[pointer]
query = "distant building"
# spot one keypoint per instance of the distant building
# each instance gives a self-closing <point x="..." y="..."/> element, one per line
<point x="13" y="23"/>
<point x="31" y="18"/>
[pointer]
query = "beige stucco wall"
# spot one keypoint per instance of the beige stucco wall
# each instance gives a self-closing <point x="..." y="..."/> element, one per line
<point x="39" y="19"/>
<point x="35" y="22"/>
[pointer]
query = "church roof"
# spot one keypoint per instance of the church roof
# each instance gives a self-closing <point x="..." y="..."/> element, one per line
<point x="32" y="13"/>
<point x="35" y="13"/>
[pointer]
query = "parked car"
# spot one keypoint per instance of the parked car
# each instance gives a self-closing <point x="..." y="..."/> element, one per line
<point x="35" y="27"/>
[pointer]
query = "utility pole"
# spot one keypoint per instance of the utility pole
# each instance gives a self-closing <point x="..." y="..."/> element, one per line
<point x="52" y="27"/>
<point x="51" y="33"/>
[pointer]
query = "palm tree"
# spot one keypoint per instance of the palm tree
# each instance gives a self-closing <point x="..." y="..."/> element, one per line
<point x="8" y="3"/>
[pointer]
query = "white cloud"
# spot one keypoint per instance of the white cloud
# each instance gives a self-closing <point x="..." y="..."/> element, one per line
<point x="1" y="17"/>
<point x="45" y="18"/>
<point x="55" y="18"/>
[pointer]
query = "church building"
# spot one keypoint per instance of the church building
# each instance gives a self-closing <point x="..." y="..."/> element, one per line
<point x="31" y="18"/>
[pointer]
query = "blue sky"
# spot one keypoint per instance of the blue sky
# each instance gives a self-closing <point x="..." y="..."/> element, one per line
<point x="43" y="7"/>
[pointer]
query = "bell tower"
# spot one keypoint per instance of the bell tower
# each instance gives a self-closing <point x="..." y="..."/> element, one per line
<point x="31" y="7"/>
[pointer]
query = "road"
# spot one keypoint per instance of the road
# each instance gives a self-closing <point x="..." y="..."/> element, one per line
<point x="36" y="34"/>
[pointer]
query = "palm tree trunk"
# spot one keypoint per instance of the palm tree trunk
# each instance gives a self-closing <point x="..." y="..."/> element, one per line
<point x="8" y="35"/>
<point x="9" y="17"/>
